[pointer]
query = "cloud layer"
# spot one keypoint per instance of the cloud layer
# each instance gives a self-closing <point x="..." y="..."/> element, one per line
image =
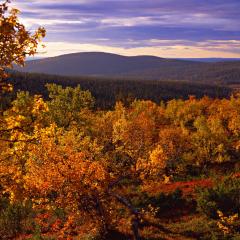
<point x="167" y="28"/>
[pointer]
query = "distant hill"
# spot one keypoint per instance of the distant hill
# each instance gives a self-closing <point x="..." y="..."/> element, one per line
<point x="210" y="59"/>
<point x="140" y="67"/>
<point x="100" y="64"/>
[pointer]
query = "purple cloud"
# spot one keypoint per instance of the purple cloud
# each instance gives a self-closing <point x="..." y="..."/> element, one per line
<point x="134" y="23"/>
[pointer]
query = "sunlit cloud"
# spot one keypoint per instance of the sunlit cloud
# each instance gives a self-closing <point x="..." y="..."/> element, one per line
<point x="171" y="27"/>
<point x="168" y="50"/>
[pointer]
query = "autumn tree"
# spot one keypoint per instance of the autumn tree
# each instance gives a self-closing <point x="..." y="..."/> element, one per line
<point x="66" y="170"/>
<point x="16" y="42"/>
<point x="69" y="106"/>
<point x="16" y="125"/>
<point x="20" y="127"/>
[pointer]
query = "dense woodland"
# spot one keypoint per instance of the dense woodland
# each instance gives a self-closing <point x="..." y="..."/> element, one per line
<point x="74" y="168"/>
<point x="220" y="72"/>
<point x="147" y="170"/>
<point x="107" y="91"/>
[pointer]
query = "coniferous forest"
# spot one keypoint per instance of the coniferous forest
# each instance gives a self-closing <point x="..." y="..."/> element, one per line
<point x="107" y="91"/>
<point x="90" y="158"/>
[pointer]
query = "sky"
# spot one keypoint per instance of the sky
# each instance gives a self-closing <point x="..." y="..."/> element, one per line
<point x="164" y="28"/>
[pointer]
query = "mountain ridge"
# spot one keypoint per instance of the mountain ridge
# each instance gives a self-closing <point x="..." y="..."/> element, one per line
<point x="142" y="67"/>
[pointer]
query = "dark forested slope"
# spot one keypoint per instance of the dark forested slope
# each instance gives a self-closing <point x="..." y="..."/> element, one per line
<point x="108" y="90"/>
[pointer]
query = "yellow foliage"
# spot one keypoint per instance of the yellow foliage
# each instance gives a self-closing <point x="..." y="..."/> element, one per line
<point x="227" y="223"/>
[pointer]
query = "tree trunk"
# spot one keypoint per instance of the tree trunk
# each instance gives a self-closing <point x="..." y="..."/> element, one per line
<point x="135" y="221"/>
<point x="135" y="227"/>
